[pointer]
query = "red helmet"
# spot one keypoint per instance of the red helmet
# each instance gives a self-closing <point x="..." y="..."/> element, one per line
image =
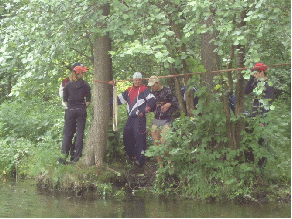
<point x="80" y="69"/>
<point x="260" y="66"/>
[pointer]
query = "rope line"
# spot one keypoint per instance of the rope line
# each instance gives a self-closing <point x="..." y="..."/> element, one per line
<point x="180" y="75"/>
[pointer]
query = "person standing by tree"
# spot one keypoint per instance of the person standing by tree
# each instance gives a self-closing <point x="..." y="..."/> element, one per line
<point x="260" y="76"/>
<point x="77" y="97"/>
<point x="166" y="103"/>
<point x="61" y="88"/>
<point x="268" y="93"/>
<point x="139" y="100"/>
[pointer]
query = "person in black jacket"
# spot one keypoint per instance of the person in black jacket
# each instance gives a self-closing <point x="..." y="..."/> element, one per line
<point x="260" y="76"/>
<point x="166" y="103"/>
<point x="77" y="97"/>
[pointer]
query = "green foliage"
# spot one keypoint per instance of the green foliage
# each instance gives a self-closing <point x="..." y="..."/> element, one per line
<point x="202" y="164"/>
<point x="13" y="153"/>
<point x="278" y="135"/>
<point x="29" y="119"/>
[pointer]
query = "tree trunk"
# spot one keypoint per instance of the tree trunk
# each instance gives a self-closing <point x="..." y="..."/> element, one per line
<point x="210" y="59"/>
<point x="229" y="124"/>
<point x="189" y="93"/>
<point x="98" y="133"/>
<point x="178" y="94"/>
<point x="239" y="94"/>
<point x="239" y="90"/>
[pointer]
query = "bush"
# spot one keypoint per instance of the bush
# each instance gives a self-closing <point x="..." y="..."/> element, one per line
<point x="13" y="151"/>
<point x="205" y="165"/>
<point x="29" y="119"/>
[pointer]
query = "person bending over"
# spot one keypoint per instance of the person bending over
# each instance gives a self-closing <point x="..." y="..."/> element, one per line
<point x="166" y="103"/>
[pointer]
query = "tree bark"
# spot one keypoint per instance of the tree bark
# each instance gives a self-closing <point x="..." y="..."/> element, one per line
<point x="189" y="93"/>
<point x="98" y="133"/>
<point x="178" y="94"/>
<point x="239" y="90"/>
<point x="229" y="124"/>
<point x="210" y="59"/>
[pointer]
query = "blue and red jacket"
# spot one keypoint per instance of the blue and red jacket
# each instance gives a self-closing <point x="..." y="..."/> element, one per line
<point x="138" y="98"/>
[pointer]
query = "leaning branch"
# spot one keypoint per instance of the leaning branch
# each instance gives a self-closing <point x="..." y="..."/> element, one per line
<point x="81" y="53"/>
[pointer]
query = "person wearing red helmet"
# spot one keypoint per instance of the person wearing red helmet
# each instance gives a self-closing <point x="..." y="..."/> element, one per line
<point x="76" y="97"/>
<point x="260" y="75"/>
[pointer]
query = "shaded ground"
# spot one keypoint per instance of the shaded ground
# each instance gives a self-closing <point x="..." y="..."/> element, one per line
<point x="135" y="177"/>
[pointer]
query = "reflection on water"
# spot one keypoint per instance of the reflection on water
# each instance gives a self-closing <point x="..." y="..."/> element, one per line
<point x="24" y="200"/>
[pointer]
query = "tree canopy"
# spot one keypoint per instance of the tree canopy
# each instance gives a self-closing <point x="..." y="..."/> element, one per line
<point x="40" y="38"/>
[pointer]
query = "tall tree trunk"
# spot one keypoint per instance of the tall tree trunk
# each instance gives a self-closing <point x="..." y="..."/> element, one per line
<point x="229" y="124"/>
<point x="179" y="96"/>
<point x="98" y="133"/>
<point x="239" y="90"/>
<point x="178" y="93"/>
<point x="177" y="30"/>
<point x="210" y="59"/>
<point x="189" y="93"/>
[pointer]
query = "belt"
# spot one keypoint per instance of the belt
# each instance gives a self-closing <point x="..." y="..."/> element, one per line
<point x="76" y="108"/>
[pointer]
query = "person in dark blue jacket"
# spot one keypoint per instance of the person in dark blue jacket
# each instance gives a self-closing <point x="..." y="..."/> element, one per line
<point x="139" y="101"/>
<point x="259" y="76"/>
<point x="76" y="97"/>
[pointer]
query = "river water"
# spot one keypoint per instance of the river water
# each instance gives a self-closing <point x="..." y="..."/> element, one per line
<point x="24" y="200"/>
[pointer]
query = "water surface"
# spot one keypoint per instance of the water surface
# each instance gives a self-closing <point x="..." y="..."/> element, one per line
<point x="23" y="199"/>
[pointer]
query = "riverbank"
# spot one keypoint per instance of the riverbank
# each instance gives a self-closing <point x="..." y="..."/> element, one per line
<point x="122" y="179"/>
<point x="117" y="179"/>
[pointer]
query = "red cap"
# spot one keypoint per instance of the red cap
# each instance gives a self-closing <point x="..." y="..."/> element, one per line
<point x="80" y="69"/>
<point x="260" y="66"/>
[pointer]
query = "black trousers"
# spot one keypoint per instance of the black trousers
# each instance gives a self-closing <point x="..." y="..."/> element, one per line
<point x="134" y="138"/>
<point x="75" y="120"/>
<point x="71" y="145"/>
